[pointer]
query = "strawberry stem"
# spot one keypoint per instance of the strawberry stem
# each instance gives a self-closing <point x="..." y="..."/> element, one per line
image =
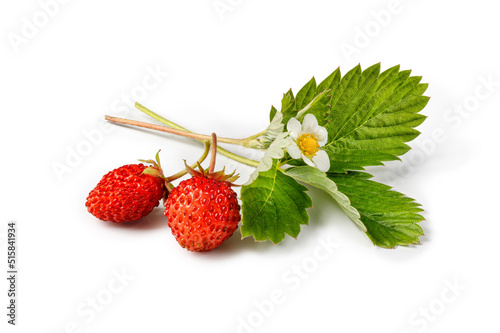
<point x="221" y="150"/>
<point x="162" y="128"/>
<point x="249" y="142"/>
<point x="214" y="154"/>
<point x="159" y="118"/>
<point x="180" y="174"/>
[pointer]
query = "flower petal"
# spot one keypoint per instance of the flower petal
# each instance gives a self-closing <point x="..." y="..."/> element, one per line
<point x="322" y="135"/>
<point x="309" y="124"/>
<point x="308" y="161"/>
<point x="322" y="161"/>
<point x="294" y="127"/>
<point x="293" y="150"/>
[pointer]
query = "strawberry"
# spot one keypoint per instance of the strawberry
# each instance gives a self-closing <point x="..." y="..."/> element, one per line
<point x="127" y="193"/>
<point x="203" y="211"/>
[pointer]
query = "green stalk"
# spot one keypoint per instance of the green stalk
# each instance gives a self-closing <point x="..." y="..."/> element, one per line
<point x="180" y="174"/>
<point x="221" y="150"/>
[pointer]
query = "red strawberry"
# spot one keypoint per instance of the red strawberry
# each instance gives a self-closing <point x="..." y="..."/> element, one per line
<point x="126" y="194"/>
<point x="203" y="211"/>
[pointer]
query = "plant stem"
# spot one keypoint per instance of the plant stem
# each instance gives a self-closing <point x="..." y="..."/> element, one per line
<point x="214" y="154"/>
<point x="198" y="137"/>
<point x="180" y="174"/>
<point x="168" y="129"/>
<point x="246" y="142"/>
<point x="221" y="150"/>
<point x="237" y="157"/>
<point x="159" y="118"/>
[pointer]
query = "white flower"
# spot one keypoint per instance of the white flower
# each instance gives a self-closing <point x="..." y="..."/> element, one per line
<point x="306" y="139"/>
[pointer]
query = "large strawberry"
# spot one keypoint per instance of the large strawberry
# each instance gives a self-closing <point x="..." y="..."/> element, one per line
<point x="203" y="211"/>
<point x="127" y="193"/>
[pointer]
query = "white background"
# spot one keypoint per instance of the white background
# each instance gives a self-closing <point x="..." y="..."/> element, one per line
<point x="225" y="70"/>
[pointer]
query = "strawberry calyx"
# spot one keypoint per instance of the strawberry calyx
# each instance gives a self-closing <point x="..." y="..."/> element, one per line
<point x="155" y="170"/>
<point x="220" y="176"/>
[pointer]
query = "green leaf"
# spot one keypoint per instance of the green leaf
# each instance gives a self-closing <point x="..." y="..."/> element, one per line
<point x="288" y="102"/>
<point x="331" y="82"/>
<point x="372" y="116"/>
<point x="390" y="218"/>
<point x="309" y="99"/>
<point x="316" y="106"/>
<point x="273" y="205"/>
<point x="306" y="94"/>
<point x="316" y="178"/>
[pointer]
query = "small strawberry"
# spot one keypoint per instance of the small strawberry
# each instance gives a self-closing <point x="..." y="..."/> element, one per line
<point x="203" y="211"/>
<point x="127" y="193"/>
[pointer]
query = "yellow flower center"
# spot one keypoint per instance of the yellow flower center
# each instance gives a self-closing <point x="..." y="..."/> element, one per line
<point x="308" y="144"/>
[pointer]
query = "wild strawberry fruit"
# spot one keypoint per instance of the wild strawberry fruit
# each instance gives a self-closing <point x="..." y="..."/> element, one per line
<point x="203" y="211"/>
<point x="127" y="193"/>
